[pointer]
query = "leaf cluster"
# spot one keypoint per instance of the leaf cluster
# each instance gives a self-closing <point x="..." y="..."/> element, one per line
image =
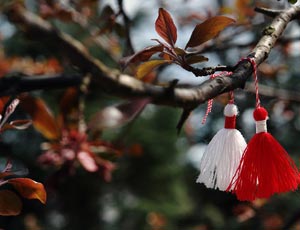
<point x="167" y="49"/>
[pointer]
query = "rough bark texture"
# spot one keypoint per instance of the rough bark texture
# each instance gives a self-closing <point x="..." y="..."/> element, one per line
<point x="113" y="82"/>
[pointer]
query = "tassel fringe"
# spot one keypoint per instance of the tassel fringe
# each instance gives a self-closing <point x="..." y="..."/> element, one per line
<point x="265" y="167"/>
<point x="223" y="154"/>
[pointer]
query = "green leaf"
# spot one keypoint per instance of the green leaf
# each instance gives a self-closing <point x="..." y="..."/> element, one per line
<point x="148" y="66"/>
<point x="165" y="27"/>
<point x="208" y="30"/>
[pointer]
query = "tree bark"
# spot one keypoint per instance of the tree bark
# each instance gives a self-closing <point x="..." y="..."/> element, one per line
<point x="113" y="82"/>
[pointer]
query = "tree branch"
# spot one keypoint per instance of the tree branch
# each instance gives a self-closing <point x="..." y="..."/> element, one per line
<point x="14" y="85"/>
<point x="269" y="91"/>
<point x="268" y="12"/>
<point x="129" y="47"/>
<point x="115" y="83"/>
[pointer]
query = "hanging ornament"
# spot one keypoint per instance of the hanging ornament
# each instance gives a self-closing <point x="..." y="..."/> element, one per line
<point x="210" y="101"/>
<point x="265" y="167"/>
<point x="223" y="153"/>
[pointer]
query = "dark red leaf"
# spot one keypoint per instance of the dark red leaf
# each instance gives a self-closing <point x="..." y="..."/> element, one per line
<point x="165" y="27"/>
<point x="67" y="106"/>
<point x="3" y="101"/>
<point x="9" y="108"/>
<point x="208" y="30"/>
<point x="17" y="124"/>
<point x="5" y="174"/>
<point x="107" y="13"/>
<point x="114" y="116"/>
<point x="42" y="118"/>
<point x="69" y="100"/>
<point x="141" y="56"/>
<point x="136" y="150"/>
<point x="29" y="189"/>
<point x="10" y="203"/>
<point x="192" y="59"/>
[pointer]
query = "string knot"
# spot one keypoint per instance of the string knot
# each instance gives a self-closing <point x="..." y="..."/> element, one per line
<point x="210" y="101"/>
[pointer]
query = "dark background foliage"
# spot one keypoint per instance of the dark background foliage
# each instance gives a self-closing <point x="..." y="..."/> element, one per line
<point x="153" y="185"/>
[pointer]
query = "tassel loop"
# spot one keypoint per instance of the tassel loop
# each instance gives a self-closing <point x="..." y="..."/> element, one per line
<point x="210" y="101"/>
<point x="265" y="167"/>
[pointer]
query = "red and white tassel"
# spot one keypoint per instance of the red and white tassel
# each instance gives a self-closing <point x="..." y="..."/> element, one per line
<point x="265" y="167"/>
<point x="223" y="153"/>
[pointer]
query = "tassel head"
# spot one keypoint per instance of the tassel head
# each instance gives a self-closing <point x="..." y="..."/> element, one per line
<point x="260" y="114"/>
<point x="222" y="155"/>
<point x="265" y="167"/>
<point x="230" y="113"/>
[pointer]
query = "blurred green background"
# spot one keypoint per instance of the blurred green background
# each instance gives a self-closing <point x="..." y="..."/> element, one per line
<point x="154" y="187"/>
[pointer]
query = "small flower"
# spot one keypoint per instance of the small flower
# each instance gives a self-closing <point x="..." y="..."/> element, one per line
<point x="73" y="149"/>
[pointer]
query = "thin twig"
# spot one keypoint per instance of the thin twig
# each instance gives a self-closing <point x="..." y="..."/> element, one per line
<point x="268" y="12"/>
<point x="269" y="91"/>
<point x="115" y="83"/>
<point x="206" y="71"/>
<point x="129" y="50"/>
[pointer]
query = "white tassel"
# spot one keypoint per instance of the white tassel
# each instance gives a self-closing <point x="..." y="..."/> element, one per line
<point x="223" y="154"/>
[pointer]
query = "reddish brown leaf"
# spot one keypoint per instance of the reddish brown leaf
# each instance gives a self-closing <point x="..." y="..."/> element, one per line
<point x="29" y="189"/>
<point x="107" y="13"/>
<point x="136" y="150"/>
<point x="69" y="99"/>
<point x="165" y="27"/>
<point x="42" y="118"/>
<point x="10" y="203"/>
<point x="17" y="124"/>
<point x="64" y="15"/>
<point x="67" y="106"/>
<point x="141" y="56"/>
<point x="179" y="51"/>
<point x="114" y="116"/>
<point x="3" y="101"/>
<point x="244" y="9"/>
<point x="166" y="56"/>
<point x="5" y="174"/>
<point x="193" y="59"/>
<point x="208" y="30"/>
<point x="150" y="77"/>
<point x="148" y="66"/>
